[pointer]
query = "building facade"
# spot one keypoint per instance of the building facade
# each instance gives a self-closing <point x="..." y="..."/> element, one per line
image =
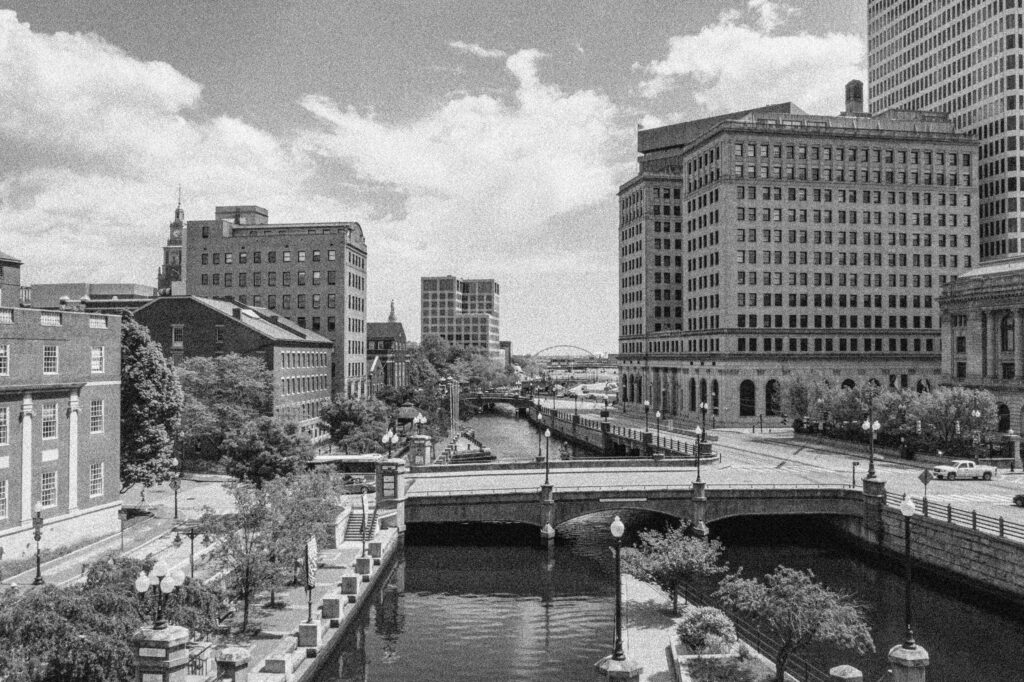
<point x="386" y="353"/>
<point x="10" y="281"/>
<point x="88" y="295"/>
<point x="965" y="58"/>
<point x="983" y="335"/>
<point x="311" y="273"/>
<point x="299" y="359"/>
<point x="464" y="312"/>
<point x="770" y="241"/>
<point x="60" y="426"/>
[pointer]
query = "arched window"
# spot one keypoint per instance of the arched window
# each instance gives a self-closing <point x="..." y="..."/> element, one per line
<point x="748" y="398"/>
<point x="703" y="390"/>
<point x="1006" y="333"/>
<point x="714" y="396"/>
<point x="849" y="383"/>
<point x="772" y="399"/>
<point x="1004" y="418"/>
<point x="693" y="394"/>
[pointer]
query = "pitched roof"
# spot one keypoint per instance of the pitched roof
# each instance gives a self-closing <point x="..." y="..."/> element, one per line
<point x="8" y="258"/>
<point x="385" y="330"/>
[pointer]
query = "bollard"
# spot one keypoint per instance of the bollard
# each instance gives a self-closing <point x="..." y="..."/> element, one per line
<point x="908" y="664"/>
<point x="232" y="663"/>
<point x="845" y="673"/>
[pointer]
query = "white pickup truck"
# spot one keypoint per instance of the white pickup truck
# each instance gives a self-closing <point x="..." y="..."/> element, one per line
<point x="963" y="468"/>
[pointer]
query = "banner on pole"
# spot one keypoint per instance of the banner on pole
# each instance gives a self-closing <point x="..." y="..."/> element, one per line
<point x="311" y="558"/>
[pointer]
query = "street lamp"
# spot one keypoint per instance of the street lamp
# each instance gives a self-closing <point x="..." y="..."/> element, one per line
<point x="657" y="424"/>
<point x="547" y="454"/>
<point x="37" y="533"/>
<point x="176" y="483"/>
<point x="704" y="418"/>
<point x="647" y="409"/>
<point x="575" y="404"/>
<point x="390" y="438"/>
<point x="696" y="449"/>
<point x="161" y="581"/>
<point x="853" y="480"/>
<point x="191" y="533"/>
<point x="908" y="510"/>
<point x="419" y="420"/>
<point x="617" y="529"/>
<point x="871" y="427"/>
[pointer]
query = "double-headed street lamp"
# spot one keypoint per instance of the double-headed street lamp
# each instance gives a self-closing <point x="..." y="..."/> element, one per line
<point x="176" y="483"/>
<point x="908" y="510"/>
<point x="871" y="427"/>
<point x="647" y="410"/>
<point x="161" y="581"/>
<point x="547" y="455"/>
<point x="617" y="529"/>
<point x="390" y="438"/>
<point x="37" y="533"/>
<point x="191" y="533"/>
<point x="419" y="420"/>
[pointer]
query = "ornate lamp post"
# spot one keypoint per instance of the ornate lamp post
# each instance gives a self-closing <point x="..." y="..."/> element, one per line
<point x="617" y="529"/>
<point x="37" y="533"/>
<point x="176" y="483"/>
<point x="161" y="581"/>
<point x="908" y="510"/>
<point x="547" y="454"/>
<point x="390" y="438"/>
<point x="871" y="427"/>
<point x="657" y="425"/>
<point x="191" y="533"/>
<point x="696" y="448"/>
<point x="419" y="420"/>
<point x="647" y="410"/>
<point x="704" y="418"/>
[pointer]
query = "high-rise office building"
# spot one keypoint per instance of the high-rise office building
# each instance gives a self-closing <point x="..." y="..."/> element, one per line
<point x="766" y="241"/>
<point x="464" y="312"/>
<point x="311" y="273"/>
<point x="965" y="58"/>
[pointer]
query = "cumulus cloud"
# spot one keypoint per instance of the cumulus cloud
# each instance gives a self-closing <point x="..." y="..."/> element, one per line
<point x="744" y="61"/>
<point x="95" y="143"/>
<point x="477" y="50"/>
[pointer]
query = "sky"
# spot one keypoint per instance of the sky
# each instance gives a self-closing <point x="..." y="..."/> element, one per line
<point x="478" y="139"/>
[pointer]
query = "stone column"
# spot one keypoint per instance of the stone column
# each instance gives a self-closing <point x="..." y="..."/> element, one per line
<point x="547" y="514"/>
<point x="874" y="502"/>
<point x="161" y="655"/>
<point x="1018" y="344"/>
<point x="232" y="663"/>
<point x="698" y="527"/>
<point x="908" y="665"/>
<point x="993" y="344"/>
<point x="26" y="459"/>
<point x="73" y="477"/>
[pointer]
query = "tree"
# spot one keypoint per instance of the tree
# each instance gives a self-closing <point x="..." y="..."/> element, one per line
<point x="671" y="558"/>
<point x="357" y="424"/>
<point x="798" y="611"/>
<point x="942" y="409"/>
<point x="266" y="448"/>
<point x="151" y="405"/>
<point x="704" y="627"/>
<point x="242" y="549"/>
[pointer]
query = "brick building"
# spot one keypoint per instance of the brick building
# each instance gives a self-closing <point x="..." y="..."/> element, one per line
<point x="300" y="360"/>
<point x="386" y="353"/>
<point x="464" y="312"/>
<point x="770" y="240"/>
<point x="10" y="280"/>
<point x="60" y="426"/>
<point x="311" y="273"/>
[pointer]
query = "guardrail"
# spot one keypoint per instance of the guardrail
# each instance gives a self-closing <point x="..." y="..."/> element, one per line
<point x="669" y="446"/>
<point x="765" y="644"/>
<point x="992" y="525"/>
<point x="619" y="487"/>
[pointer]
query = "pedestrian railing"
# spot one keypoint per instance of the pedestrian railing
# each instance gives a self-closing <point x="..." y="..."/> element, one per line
<point x="625" y="487"/>
<point x="666" y="444"/>
<point x="764" y="643"/>
<point x="962" y="517"/>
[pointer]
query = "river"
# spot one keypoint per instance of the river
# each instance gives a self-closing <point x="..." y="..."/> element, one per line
<point x="474" y="603"/>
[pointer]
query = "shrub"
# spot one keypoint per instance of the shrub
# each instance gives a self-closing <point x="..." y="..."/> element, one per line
<point x="705" y="627"/>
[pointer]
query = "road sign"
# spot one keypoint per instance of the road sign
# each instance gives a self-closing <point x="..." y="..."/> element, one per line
<point x="926" y="476"/>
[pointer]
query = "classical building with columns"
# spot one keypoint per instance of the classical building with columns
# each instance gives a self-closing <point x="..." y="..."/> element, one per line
<point x="769" y="241"/>
<point x="983" y="335"/>
<point x="60" y="426"/>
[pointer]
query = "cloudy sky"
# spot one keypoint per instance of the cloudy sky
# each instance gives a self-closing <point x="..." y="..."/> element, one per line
<point x="478" y="139"/>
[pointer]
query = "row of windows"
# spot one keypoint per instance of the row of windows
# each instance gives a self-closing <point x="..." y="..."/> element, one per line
<point x="843" y="196"/>
<point x="295" y="385"/>
<point x="315" y="278"/>
<point x="842" y="279"/>
<point x="257" y="257"/>
<point x="850" y="175"/>
<point x="828" y="300"/>
<point x="51" y="360"/>
<point x="303" y="358"/>
<point x="843" y="217"/>
<point x="830" y="344"/>
<point x="850" y="258"/>
<point x="48" y="489"/>
<point x="852" y="154"/>
<point x="49" y="421"/>
<point x="843" y="237"/>
<point x="843" y="321"/>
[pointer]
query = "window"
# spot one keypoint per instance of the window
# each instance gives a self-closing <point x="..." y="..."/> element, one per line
<point x="5" y="360"/>
<point x="49" y="319"/>
<point x="177" y="336"/>
<point x="96" y="479"/>
<point x="49" y="421"/>
<point x="97" y="360"/>
<point x="302" y="256"/>
<point x="96" y="416"/>
<point x="332" y="255"/>
<point x="48" y="489"/>
<point x="3" y="499"/>
<point x="51" y="361"/>
<point x="5" y="425"/>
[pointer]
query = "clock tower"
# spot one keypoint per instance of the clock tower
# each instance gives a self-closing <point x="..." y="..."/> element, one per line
<point x="171" y="271"/>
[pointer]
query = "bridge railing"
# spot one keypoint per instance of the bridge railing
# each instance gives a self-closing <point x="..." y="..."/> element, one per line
<point x="626" y="487"/>
<point x="668" y="445"/>
<point x="993" y="525"/>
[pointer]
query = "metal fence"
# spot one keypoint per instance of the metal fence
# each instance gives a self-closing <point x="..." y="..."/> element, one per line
<point x="764" y="643"/>
<point x="992" y="525"/>
<point x="668" y="445"/>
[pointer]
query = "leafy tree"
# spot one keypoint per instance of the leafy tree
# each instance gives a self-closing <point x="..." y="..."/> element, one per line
<point x="151" y="406"/>
<point x="242" y="548"/>
<point x="222" y="394"/>
<point x="798" y="611"/>
<point x="941" y="409"/>
<point x="704" y="627"/>
<point x="357" y="424"/>
<point x="671" y="558"/>
<point x="263" y="449"/>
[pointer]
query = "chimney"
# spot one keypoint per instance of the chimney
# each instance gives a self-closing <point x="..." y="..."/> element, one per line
<point x="854" y="97"/>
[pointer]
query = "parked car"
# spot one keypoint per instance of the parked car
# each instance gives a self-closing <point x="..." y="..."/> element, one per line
<point x="1018" y="499"/>
<point x="356" y="485"/>
<point x="963" y="468"/>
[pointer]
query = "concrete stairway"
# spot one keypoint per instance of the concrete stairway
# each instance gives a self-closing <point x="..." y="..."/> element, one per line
<point x="355" y="523"/>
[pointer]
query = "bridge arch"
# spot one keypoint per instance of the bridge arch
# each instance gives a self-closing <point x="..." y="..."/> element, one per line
<point x="549" y="348"/>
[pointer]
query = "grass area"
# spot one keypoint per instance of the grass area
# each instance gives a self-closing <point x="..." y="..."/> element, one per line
<point x="12" y="567"/>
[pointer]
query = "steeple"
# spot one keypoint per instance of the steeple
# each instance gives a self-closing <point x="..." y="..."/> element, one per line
<point x="391" y="317"/>
<point x="179" y="213"/>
